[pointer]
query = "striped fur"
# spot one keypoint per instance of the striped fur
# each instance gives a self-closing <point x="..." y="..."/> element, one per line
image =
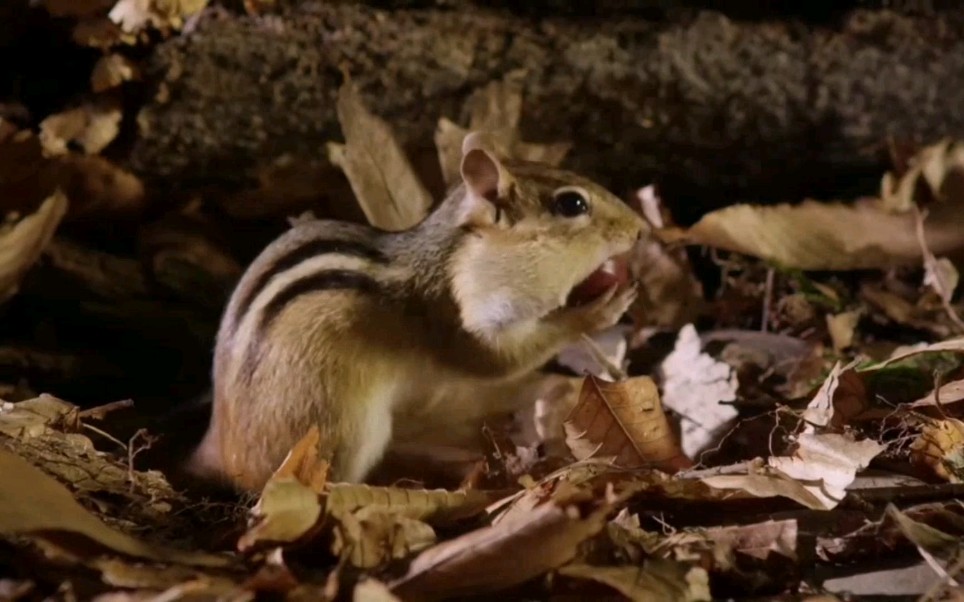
<point x="365" y="333"/>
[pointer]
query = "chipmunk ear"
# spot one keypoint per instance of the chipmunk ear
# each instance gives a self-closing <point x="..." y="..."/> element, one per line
<point x="487" y="182"/>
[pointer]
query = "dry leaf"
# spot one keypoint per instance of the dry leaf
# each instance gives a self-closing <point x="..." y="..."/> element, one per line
<point x="841" y="327"/>
<point x="21" y="245"/>
<point x="96" y="187"/>
<point x="758" y="540"/>
<point x="448" y="141"/>
<point x="826" y="236"/>
<point x="486" y="560"/>
<point x="93" y="126"/>
<point x="135" y="15"/>
<point x="32" y="503"/>
<point x="372" y="590"/>
<point x="694" y="384"/>
<point x="35" y="417"/>
<point x="655" y="580"/>
<point x="936" y="168"/>
<point x="496" y="109"/>
<point x="304" y="464"/>
<point x="385" y="185"/>
<point x="954" y="345"/>
<point x="433" y="506"/>
<point x="623" y="420"/>
<point x="370" y="537"/>
<point x="766" y="484"/>
<point x="827" y="463"/>
<point x="948" y="393"/>
<point x="670" y="296"/>
<point x="940" y="446"/>
<point x="111" y="71"/>
<point x="286" y="512"/>
<point x="940" y="550"/>
<point x="842" y="396"/>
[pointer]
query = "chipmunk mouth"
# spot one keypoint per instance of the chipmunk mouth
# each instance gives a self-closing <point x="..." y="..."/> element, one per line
<point x="614" y="270"/>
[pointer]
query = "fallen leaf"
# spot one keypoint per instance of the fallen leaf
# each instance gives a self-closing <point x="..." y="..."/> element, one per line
<point x="826" y="236"/>
<point x="694" y="384"/>
<point x="386" y="187"/>
<point x="938" y="549"/>
<point x="371" y="536"/>
<point x="495" y="109"/>
<point x="32" y="503"/>
<point x="954" y="345"/>
<point x="304" y="464"/>
<point x="766" y="484"/>
<point x="111" y="71"/>
<point x="372" y="590"/>
<point x="582" y="359"/>
<point x="654" y="580"/>
<point x="432" y="506"/>
<point x="93" y="126"/>
<point x="670" y="295"/>
<point x="940" y="447"/>
<point x="841" y="327"/>
<point x="826" y="463"/>
<point x="842" y="396"/>
<point x="933" y="168"/>
<point x="484" y="560"/>
<point x="35" y="417"/>
<point x="948" y="393"/>
<point x="96" y="187"/>
<point x="625" y="421"/>
<point x="22" y="245"/>
<point x="758" y="540"/>
<point x="286" y="511"/>
<point x="135" y="15"/>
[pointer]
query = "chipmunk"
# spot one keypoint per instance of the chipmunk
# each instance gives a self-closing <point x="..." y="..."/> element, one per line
<point x="366" y="333"/>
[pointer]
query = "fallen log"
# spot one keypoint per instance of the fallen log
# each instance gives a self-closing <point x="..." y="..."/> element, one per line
<point x="708" y="107"/>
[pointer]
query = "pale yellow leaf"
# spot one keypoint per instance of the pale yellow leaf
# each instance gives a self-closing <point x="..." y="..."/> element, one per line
<point x="35" y="417"/>
<point x="371" y="536"/>
<point x="93" y="126"/>
<point x="22" y="245"/>
<point x="372" y="590"/>
<point x="111" y="71"/>
<point x="940" y="447"/>
<point x="841" y="327"/>
<point x="304" y="464"/>
<point x="32" y="503"/>
<point x="286" y="512"/>
<point x="625" y="421"/>
<point x="657" y="579"/>
<point x="433" y="506"/>
<point x="385" y="184"/>
<point x="766" y="485"/>
<point x="828" y="236"/>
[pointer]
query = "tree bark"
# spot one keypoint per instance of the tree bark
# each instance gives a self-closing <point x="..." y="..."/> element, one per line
<point x="707" y="107"/>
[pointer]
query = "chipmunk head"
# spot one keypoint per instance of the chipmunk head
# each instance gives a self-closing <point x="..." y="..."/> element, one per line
<point x="538" y="238"/>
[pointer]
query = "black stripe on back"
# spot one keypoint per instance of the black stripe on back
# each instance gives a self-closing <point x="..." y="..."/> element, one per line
<point x="322" y="281"/>
<point x="308" y="250"/>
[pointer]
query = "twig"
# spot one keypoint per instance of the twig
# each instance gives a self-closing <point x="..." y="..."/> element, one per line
<point x="738" y="468"/>
<point x="132" y="451"/>
<point x="99" y="412"/>
<point x="767" y="300"/>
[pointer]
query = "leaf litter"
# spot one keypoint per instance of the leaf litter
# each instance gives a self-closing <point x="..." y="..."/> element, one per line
<point x="686" y="473"/>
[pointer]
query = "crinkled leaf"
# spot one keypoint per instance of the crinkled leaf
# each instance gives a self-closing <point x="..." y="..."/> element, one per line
<point x="655" y="580"/>
<point x="625" y="421"/>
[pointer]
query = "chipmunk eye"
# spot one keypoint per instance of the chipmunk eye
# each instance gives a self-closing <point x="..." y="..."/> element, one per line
<point x="569" y="203"/>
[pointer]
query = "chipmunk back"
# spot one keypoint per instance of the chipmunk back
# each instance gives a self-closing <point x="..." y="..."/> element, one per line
<point x="364" y="332"/>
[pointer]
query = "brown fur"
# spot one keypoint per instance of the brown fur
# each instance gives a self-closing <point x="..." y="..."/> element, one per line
<point x="465" y="307"/>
